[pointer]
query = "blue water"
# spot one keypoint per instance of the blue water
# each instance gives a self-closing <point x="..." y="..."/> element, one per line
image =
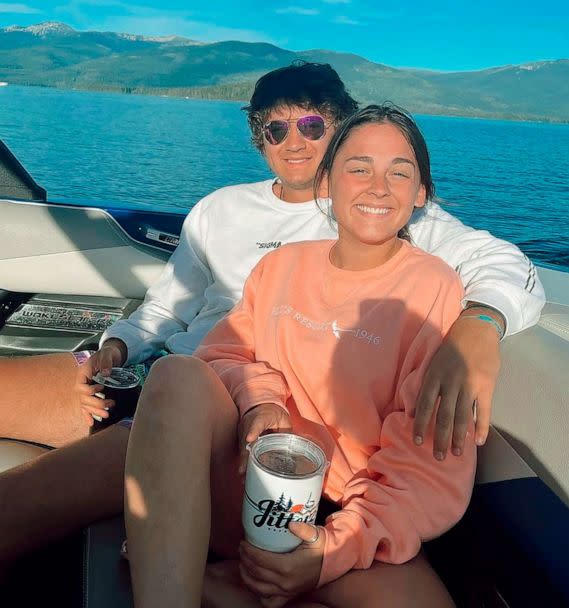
<point x="511" y="178"/>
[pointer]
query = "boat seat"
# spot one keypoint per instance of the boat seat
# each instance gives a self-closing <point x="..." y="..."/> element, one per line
<point x="102" y="562"/>
<point x="14" y="453"/>
<point x="531" y="401"/>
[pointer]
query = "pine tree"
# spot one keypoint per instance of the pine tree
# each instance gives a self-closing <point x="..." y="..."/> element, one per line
<point x="281" y="503"/>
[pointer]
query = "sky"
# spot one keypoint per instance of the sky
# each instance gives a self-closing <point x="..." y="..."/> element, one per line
<point x="444" y="35"/>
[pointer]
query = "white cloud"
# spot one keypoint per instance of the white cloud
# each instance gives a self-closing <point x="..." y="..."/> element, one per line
<point x="297" y="10"/>
<point x="107" y="3"/>
<point x="343" y="20"/>
<point x="22" y="9"/>
<point x="78" y="12"/>
<point x="83" y="6"/>
<point x="383" y="15"/>
<point x="81" y="9"/>
<point x="149" y="21"/>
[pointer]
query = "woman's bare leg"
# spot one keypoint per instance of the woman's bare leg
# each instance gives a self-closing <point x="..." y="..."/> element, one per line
<point x="223" y="587"/>
<point x="407" y="585"/>
<point x="61" y="492"/>
<point x="382" y="586"/>
<point x="182" y="451"/>
<point x="37" y="400"/>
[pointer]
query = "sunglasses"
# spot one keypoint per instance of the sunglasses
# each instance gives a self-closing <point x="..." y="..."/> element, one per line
<point x="310" y="127"/>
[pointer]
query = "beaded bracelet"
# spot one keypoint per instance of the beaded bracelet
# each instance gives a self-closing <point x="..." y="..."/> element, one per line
<point x="487" y="319"/>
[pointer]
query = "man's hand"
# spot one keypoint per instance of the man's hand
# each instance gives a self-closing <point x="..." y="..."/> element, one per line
<point x="462" y="371"/>
<point x="276" y="578"/>
<point x="113" y="353"/>
<point x="261" y="418"/>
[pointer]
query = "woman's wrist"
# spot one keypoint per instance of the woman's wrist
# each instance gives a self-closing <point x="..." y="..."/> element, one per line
<point x="485" y="314"/>
<point x="256" y="407"/>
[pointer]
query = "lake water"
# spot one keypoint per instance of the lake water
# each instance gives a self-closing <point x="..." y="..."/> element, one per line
<point x="511" y="178"/>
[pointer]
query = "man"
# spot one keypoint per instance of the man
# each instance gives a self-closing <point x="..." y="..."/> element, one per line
<point x="292" y="115"/>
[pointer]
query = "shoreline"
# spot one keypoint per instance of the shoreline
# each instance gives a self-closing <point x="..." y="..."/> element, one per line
<point x="208" y="94"/>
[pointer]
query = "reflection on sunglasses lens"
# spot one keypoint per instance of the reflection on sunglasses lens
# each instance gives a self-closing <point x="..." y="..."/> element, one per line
<point x="277" y="130"/>
<point x="311" y="127"/>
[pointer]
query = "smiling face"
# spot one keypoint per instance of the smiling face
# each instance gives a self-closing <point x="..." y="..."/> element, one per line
<point x="296" y="159"/>
<point x="374" y="184"/>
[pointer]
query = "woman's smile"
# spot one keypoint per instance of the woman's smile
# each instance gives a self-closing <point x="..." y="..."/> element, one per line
<point x="374" y="186"/>
<point x="373" y="210"/>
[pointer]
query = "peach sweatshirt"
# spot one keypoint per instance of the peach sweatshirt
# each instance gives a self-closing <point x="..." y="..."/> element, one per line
<point x="344" y="353"/>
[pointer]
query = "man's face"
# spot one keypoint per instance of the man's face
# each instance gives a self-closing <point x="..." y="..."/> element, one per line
<point x="296" y="159"/>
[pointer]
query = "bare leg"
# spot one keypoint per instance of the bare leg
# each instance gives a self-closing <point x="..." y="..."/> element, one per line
<point x="407" y="585"/>
<point x="62" y="491"/>
<point x="382" y="586"/>
<point x="37" y="400"/>
<point x="186" y="424"/>
<point x="223" y="588"/>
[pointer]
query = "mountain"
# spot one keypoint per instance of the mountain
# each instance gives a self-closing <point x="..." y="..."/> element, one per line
<point x="54" y="54"/>
<point x="44" y="29"/>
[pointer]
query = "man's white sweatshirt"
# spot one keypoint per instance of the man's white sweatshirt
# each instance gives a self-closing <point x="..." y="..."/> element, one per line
<point x="228" y="231"/>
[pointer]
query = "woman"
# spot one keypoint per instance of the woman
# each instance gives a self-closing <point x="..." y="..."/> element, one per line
<point x="300" y="352"/>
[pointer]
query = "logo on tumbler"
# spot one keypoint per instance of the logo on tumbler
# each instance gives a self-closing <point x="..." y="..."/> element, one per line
<point x="278" y="514"/>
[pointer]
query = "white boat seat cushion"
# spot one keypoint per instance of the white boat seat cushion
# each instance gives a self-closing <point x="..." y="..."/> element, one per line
<point x="14" y="453"/>
<point x="531" y="402"/>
